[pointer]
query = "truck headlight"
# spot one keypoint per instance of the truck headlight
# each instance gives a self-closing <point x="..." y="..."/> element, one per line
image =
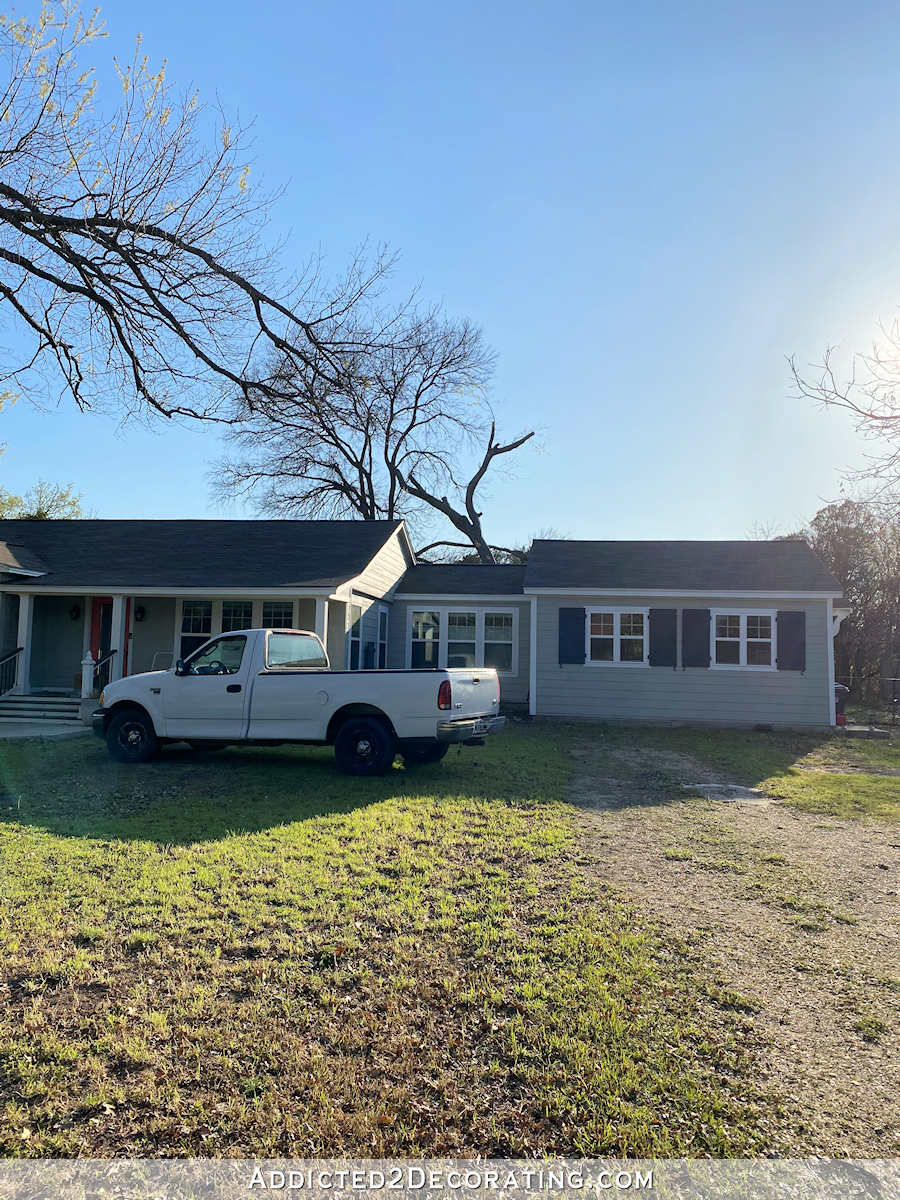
<point x="100" y="701"/>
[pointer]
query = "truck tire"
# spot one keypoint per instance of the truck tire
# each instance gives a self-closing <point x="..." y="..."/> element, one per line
<point x="130" y="736"/>
<point x="364" y="746"/>
<point x="417" y="756"/>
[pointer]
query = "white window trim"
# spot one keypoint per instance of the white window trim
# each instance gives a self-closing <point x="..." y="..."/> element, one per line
<point x="480" y="611"/>
<point x="617" y="615"/>
<point x="743" y="613"/>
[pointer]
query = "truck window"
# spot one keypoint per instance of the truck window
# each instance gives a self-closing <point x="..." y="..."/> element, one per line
<point x="286" y="651"/>
<point x="222" y="657"/>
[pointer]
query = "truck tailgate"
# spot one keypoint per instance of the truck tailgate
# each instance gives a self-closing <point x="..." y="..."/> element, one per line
<point x="474" y="692"/>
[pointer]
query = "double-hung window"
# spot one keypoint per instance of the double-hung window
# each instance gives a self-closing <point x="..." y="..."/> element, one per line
<point x="743" y="638"/>
<point x="236" y="614"/>
<point x="278" y="614"/>
<point x="616" y="635"/>
<point x="425" y="642"/>
<point x="463" y="637"/>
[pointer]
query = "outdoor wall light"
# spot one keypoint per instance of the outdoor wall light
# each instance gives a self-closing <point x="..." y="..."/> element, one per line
<point x="140" y="612"/>
<point x="75" y="612"/>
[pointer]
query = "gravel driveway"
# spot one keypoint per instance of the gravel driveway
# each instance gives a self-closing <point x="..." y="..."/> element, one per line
<point x="795" y="912"/>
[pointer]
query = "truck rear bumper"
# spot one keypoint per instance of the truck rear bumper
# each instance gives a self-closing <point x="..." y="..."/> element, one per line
<point x="464" y="731"/>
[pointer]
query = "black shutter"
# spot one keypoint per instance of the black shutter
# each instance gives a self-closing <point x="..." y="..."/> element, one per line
<point x="369" y="656"/>
<point x="791" y="641"/>
<point x="663" y="636"/>
<point x="571" y="636"/>
<point x="695" y="637"/>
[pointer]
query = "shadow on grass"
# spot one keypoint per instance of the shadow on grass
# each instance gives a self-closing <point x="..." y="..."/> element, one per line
<point x="73" y="789"/>
<point x="626" y="766"/>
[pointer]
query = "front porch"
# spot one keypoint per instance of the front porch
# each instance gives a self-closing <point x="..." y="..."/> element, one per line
<point x="74" y="644"/>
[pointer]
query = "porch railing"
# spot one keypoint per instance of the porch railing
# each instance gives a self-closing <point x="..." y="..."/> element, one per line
<point x="95" y="675"/>
<point x="9" y="670"/>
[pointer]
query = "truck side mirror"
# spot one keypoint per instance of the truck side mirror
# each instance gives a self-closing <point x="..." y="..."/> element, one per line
<point x="179" y="667"/>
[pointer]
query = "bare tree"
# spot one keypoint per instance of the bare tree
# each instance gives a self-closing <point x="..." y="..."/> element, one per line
<point x="392" y="439"/>
<point x="131" y="264"/>
<point x="871" y="392"/>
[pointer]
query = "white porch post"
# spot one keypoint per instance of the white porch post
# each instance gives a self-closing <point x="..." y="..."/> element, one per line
<point x="322" y="620"/>
<point x="23" y="639"/>
<point x="117" y="637"/>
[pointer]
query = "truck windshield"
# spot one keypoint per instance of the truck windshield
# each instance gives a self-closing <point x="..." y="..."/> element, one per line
<point x="287" y="650"/>
<point x="222" y="657"/>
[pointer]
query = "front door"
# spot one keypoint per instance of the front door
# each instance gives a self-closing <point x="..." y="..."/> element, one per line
<point x="209" y="700"/>
<point x="101" y="635"/>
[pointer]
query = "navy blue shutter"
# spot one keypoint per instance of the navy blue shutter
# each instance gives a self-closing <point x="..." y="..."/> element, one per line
<point x="369" y="656"/>
<point x="571" y="635"/>
<point x="791" y="640"/>
<point x="695" y="637"/>
<point x="663" y="636"/>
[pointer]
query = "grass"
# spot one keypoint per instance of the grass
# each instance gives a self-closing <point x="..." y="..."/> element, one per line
<point x="818" y="773"/>
<point x="248" y="954"/>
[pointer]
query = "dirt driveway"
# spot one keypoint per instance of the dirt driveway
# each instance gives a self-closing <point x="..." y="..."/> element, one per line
<point x="794" y="911"/>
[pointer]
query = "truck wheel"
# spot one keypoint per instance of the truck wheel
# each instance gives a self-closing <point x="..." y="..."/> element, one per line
<point x="364" y="746"/>
<point x="131" y="736"/>
<point x="417" y="756"/>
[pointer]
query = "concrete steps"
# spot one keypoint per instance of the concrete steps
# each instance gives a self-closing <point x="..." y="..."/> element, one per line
<point x="39" y="708"/>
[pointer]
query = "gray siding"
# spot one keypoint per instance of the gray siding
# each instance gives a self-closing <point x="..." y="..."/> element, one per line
<point x="703" y="695"/>
<point x="513" y="688"/>
<point x="385" y="570"/>
<point x="154" y="635"/>
<point x="56" y="642"/>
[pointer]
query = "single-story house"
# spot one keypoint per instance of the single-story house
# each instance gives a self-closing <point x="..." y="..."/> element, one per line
<point x="724" y="632"/>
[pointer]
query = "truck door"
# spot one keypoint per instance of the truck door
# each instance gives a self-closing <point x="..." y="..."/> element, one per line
<point x="210" y="699"/>
<point x="291" y="694"/>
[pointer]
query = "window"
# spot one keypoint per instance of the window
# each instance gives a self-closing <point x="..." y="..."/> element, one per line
<point x="382" y="638"/>
<point x="236" y="614"/>
<point x="461" y="639"/>
<point x="221" y="657"/>
<point x="426" y="639"/>
<point x="617" y="636"/>
<point x="278" y="614"/>
<point x="464" y="637"/>
<point x="498" y="640"/>
<point x="196" y="625"/>
<point x="294" y="651"/>
<point x="196" y="616"/>
<point x="355" y="632"/>
<point x="743" y="639"/>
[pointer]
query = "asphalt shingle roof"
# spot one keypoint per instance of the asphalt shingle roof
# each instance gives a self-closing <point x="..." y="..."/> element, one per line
<point x="187" y="554"/>
<point x="462" y="579"/>
<point x="784" y="566"/>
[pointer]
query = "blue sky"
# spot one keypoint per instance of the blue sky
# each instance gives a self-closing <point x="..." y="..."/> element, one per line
<point x="645" y="206"/>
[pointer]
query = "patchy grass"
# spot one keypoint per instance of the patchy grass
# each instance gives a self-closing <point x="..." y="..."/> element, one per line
<point x="247" y="953"/>
<point x="870" y="1029"/>
<point x="844" y="777"/>
<point x="847" y="796"/>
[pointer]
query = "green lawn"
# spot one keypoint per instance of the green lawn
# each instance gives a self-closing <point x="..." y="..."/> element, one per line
<point x="247" y="953"/>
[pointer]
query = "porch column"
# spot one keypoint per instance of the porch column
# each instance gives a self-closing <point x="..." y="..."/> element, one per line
<point x="117" y="637"/>
<point x="23" y="639"/>
<point x="322" y="620"/>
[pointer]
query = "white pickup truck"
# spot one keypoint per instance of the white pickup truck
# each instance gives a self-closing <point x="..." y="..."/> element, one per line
<point x="268" y="686"/>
